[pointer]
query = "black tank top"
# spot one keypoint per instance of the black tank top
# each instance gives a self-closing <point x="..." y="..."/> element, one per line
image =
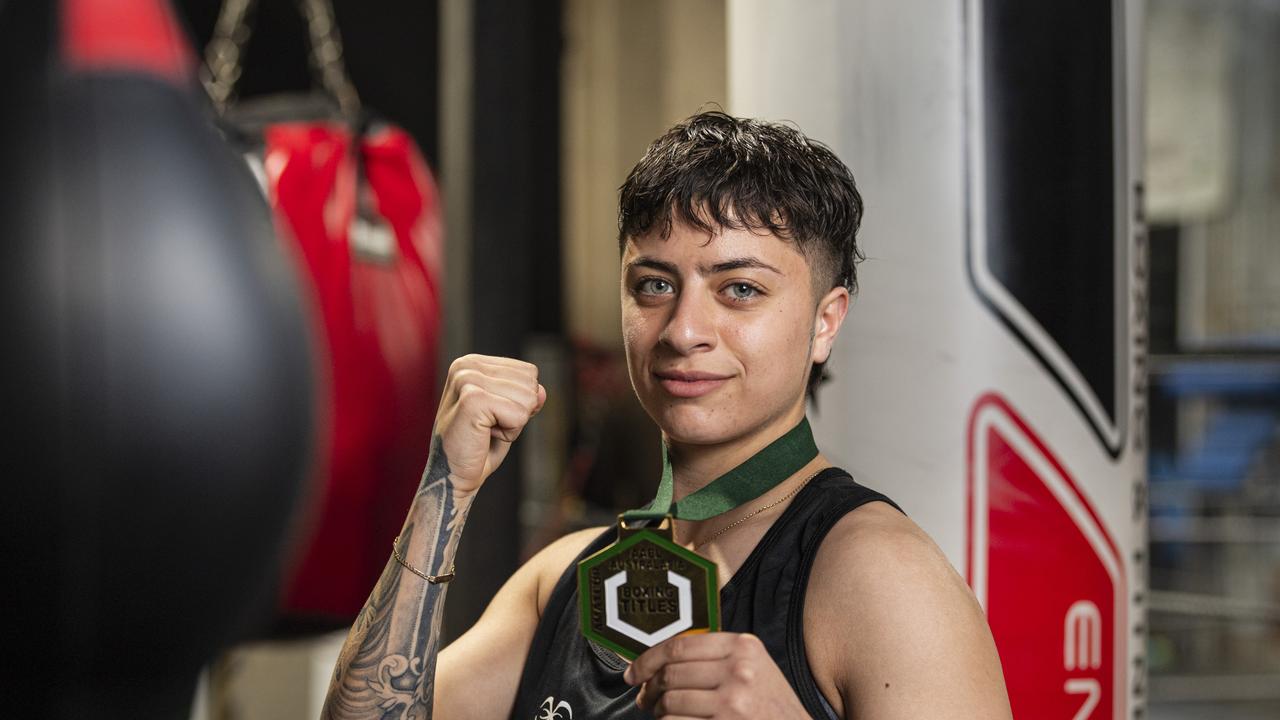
<point x="568" y="677"/>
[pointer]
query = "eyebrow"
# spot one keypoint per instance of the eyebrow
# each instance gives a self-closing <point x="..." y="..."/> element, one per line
<point x="723" y="266"/>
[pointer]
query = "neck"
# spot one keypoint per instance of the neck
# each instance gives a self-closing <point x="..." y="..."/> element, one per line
<point x="695" y="466"/>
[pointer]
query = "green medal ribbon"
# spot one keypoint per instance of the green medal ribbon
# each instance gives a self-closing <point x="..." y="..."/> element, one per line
<point x="644" y="588"/>
<point x="760" y="473"/>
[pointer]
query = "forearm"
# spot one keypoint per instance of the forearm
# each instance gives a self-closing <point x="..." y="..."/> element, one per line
<point x="387" y="667"/>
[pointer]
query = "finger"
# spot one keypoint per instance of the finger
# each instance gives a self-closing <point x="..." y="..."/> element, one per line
<point x="494" y="360"/>
<point x="518" y="371"/>
<point x="542" y="399"/>
<point x="687" y="703"/>
<point x="525" y="376"/>
<point x="476" y="359"/>
<point x="682" y="648"/>
<point x="504" y="367"/>
<point x="512" y="389"/>
<point x="697" y="675"/>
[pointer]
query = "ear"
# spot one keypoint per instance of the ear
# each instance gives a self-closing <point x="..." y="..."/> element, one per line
<point x="826" y="323"/>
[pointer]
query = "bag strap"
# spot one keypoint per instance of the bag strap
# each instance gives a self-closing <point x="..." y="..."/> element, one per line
<point x="224" y="55"/>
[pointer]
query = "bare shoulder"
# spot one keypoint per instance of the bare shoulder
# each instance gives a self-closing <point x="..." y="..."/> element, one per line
<point x="892" y="630"/>
<point x="876" y="569"/>
<point x="551" y="561"/>
<point x="875" y="548"/>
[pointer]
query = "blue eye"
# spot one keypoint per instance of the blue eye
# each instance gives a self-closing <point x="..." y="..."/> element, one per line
<point x="654" y="286"/>
<point x="742" y="291"/>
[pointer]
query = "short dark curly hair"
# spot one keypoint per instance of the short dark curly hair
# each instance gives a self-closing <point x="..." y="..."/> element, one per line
<point x="715" y="171"/>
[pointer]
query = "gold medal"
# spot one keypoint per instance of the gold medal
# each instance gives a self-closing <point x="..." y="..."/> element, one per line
<point x="644" y="589"/>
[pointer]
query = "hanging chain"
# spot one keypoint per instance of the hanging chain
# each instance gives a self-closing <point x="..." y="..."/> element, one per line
<point x="326" y="54"/>
<point x="224" y="55"/>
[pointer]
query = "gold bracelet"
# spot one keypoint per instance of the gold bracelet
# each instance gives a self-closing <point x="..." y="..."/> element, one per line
<point x="433" y="579"/>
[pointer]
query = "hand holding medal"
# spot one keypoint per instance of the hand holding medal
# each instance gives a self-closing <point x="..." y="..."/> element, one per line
<point x="644" y="588"/>
<point x="723" y="676"/>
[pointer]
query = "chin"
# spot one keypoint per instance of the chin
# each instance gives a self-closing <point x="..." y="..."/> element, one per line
<point x="686" y="422"/>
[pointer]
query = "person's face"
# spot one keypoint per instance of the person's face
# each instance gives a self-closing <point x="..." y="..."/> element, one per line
<point x="720" y="335"/>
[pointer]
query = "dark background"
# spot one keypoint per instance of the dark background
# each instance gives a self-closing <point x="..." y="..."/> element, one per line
<point x="391" y="52"/>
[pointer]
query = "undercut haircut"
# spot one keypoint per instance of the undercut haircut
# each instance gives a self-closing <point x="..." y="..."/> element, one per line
<point x="715" y="172"/>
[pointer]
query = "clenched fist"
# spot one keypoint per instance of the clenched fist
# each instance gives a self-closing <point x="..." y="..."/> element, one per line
<point x="486" y="402"/>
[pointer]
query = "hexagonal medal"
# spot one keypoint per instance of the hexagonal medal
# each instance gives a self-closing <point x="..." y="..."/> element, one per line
<point x="644" y="589"/>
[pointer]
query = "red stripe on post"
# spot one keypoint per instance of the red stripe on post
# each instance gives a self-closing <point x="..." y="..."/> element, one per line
<point x="125" y="35"/>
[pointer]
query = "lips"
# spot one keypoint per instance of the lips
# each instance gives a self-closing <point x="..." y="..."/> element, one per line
<point x="689" y="383"/>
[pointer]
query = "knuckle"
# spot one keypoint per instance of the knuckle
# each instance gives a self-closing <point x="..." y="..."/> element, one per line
<point x="678" y="649"/>
<point x="470" y="393"/>
<point x="749" y="642"/>
<point x="743" y="671"/>
<point x="527" y="401"/>
<point x="739" y="703"/>
<point x="463" y="382"/>
<point x="529" y="382"/>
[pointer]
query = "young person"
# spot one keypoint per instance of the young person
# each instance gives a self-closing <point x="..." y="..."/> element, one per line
<point x="738" y="254"/>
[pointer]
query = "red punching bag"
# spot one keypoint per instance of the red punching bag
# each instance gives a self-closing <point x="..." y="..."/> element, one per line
<point x="357" y="201"/>
<point x="372" y="259"/>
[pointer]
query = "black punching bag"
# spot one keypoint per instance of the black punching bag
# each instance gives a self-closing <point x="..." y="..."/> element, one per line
<point x="157" y="375"/>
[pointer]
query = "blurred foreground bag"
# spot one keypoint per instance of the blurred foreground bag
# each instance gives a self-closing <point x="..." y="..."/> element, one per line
<point x="158" y="371"/>
<point x="358" y="201"/>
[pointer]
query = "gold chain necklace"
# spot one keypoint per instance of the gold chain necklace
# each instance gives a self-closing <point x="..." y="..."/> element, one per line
<point x="756" y="512"/>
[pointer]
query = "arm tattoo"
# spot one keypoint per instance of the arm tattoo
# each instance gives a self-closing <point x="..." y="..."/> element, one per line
<point x="387" y="667"/>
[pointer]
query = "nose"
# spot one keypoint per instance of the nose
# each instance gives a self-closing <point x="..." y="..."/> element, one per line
<point x="691" y="326"/>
